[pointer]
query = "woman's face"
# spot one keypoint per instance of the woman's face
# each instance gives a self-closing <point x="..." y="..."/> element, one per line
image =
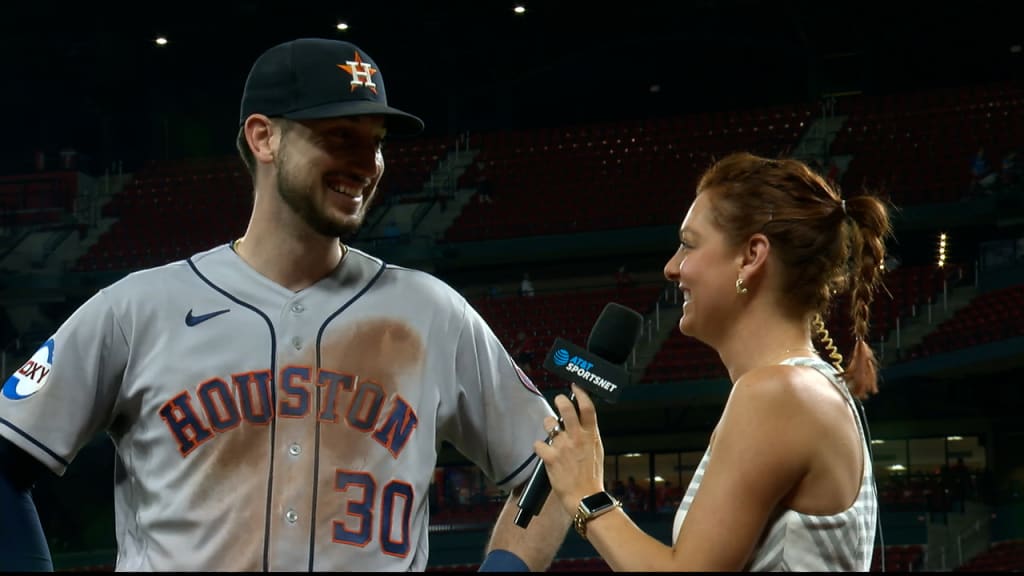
<point x="705" y="268"/>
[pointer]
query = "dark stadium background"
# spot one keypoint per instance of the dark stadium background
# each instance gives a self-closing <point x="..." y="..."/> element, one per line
<point x="87" y="92"/>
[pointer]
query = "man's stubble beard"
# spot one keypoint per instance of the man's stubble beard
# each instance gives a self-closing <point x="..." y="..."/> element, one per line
<point x="299" y="198"/>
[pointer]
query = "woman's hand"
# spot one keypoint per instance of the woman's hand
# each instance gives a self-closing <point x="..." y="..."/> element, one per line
<point x="574" y="459"/>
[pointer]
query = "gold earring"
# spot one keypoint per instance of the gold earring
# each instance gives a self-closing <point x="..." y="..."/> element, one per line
<point x="740" y="288"/>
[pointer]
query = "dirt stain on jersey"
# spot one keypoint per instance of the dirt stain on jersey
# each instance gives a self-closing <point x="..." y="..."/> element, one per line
<point x="374" y="348"/>
<point x="384" y="351"/>
<point x="389" y="353"/>
<point x="232" y="472"/>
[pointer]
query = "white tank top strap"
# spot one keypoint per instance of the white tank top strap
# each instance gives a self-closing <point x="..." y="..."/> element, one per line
<point x="827" y="370"/>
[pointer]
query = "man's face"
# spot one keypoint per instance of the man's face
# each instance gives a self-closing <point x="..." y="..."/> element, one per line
<point x="328" y="170"/>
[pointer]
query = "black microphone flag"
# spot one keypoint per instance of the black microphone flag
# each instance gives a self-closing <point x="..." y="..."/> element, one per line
<point x="589" y="371"/>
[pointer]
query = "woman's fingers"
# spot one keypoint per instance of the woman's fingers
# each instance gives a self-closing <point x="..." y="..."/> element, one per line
<point x="587" y="412"/>
<point x="567" y="410"/>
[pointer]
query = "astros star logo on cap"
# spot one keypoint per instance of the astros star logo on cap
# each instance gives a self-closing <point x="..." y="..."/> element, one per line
<point x="362" y="73"/>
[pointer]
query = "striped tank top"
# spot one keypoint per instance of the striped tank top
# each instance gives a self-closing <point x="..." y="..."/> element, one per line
<point x="798" y="542"/>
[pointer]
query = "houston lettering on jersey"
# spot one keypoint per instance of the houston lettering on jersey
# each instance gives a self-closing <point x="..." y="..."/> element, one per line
<point x="218" y="406"/>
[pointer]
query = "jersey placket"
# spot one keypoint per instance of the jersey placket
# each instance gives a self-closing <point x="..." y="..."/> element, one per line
<point x="294" y="443"/>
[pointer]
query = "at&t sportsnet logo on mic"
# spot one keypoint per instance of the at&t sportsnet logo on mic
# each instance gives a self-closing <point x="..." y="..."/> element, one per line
<point x="580" y="367"/>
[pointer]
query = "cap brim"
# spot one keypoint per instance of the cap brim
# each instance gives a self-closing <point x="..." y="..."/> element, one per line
<point x="398" y="122"/>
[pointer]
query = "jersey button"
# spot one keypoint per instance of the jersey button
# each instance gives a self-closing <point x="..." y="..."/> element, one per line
<point x="297" y="343"/>
<point x="295" y="449"/>
<point x="291" y="516"/>
<point x="298" y="308"/>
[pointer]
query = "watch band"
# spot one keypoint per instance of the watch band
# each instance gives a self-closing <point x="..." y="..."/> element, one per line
<point x="591" y="507"/>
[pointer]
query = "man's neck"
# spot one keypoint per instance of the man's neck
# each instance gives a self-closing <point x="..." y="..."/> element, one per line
<point x="292" y="263"/>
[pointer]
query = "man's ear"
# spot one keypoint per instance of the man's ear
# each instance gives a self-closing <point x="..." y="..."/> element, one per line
<point x="259" y="133"/>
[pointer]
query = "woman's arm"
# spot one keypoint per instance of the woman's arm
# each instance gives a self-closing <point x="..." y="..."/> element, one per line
<point x="760" y="453"/>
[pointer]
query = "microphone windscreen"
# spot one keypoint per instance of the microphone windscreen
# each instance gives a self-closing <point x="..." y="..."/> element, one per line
<point x="615" y="333"/>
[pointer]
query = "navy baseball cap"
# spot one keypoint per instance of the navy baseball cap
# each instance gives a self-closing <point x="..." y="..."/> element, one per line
<point x="312" y="78"/>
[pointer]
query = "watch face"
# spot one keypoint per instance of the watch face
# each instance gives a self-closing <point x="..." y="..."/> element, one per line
<point x="596" y="502"/>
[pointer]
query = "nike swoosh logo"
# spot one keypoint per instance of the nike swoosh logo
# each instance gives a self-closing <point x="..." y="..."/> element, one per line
<point x="191" y="320"/>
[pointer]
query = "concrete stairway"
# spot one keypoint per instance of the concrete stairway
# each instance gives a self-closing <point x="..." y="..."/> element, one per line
<point x="658" y="326"/>
<point x="910" y="332"/>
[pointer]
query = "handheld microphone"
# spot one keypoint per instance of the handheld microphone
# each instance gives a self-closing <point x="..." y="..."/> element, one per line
<point x="600" y="370"/>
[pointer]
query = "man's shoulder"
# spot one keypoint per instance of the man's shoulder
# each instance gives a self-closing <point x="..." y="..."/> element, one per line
<point x="409" y="279"/>
<point x="147" y="278"/>
<point x="163" y="278"/>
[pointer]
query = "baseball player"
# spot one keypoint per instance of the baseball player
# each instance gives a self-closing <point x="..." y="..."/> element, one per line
<point x="278" y="403"/>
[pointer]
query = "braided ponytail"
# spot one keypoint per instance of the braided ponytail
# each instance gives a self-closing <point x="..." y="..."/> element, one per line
<point x="867" y="227"/>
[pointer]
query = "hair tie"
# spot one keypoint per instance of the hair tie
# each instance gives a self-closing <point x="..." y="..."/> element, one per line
<point x="843" y="203"/>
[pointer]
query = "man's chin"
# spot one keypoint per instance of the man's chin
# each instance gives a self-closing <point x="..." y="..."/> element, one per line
<point x="344" y="228"/>
<point x="343" y="223"/>
<point x="348" y="233"/>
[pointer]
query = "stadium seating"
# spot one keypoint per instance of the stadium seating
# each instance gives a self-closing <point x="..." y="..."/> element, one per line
<point x="408" y="165"/>
<point x="991" y="316"/>
<point x="918" y="146"/>
<point x="37" y="199"/>
<point x="899" y="558"/>
<point x="904" y="292"/>
<point x="682" y="357"/>
<point x="171" y="210"/>
<point x="611" y="175"/>
<point x="1005" y="556"/>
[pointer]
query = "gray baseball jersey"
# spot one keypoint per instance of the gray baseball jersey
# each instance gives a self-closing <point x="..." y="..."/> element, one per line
<point x="262" y="429"/>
